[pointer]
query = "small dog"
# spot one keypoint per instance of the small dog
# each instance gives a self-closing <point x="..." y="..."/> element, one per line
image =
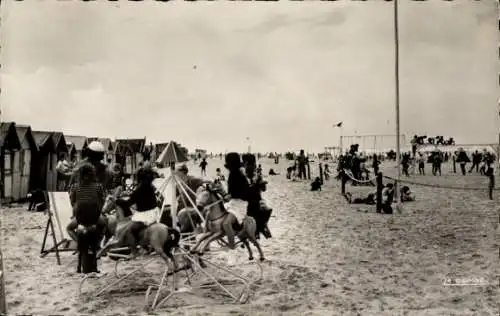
<point x="37" y="201"/>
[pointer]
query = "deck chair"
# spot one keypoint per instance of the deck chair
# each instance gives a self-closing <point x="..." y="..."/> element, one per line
<point x="59" y="213"/>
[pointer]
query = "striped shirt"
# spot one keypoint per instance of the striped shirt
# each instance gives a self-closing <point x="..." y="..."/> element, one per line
<point x="87" y="201"/>
<point x="104" y="176"/>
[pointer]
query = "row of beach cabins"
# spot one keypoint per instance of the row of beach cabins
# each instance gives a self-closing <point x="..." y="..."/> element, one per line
<point x="28" y="158"/>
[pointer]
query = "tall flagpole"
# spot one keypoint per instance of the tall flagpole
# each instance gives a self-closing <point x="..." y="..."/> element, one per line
<point x="396" y="77"/>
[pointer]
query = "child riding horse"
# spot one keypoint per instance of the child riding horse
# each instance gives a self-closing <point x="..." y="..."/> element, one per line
<point x="144" y="198"/>
<point x="256" y="208"/>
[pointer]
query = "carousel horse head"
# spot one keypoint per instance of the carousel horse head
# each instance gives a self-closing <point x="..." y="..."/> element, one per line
<point x="110" y="201"/>
<point x="209" y="193"/>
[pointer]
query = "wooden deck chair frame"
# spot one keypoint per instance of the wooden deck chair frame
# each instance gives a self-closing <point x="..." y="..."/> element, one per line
<point x="62" y="245"/>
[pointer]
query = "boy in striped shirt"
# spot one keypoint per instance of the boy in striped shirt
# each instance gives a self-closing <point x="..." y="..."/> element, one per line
<point x="87" y="199"/>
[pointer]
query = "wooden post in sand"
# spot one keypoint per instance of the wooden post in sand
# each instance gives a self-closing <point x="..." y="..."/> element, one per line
<point x="454" y="164"/>
<point x="321" y="172"/>
<point x="491" y="185"/>
<point x="3" y="304"/>
<point x="344" y="180"/>
<point x="380" y="186"/>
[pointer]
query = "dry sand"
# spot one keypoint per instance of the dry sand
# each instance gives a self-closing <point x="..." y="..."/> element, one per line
<point x="326" y="258"/>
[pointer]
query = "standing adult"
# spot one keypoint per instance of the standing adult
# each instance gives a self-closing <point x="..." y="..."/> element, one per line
<point x="437" y="160"/>
<point x="94" y="156"/>
<point x="63" y="168"/>
<point x="192" y="183"/>
<point x="301" y="163"/>
<point x="421" y="164"/>
<point x="462" y="159"/>
<point x="476" y="161"/>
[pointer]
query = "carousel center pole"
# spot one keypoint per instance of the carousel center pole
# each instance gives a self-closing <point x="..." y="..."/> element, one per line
<point x="173" y="210"/>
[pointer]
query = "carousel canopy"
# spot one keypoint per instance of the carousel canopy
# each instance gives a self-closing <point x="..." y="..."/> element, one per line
<point x="171" y="153"/>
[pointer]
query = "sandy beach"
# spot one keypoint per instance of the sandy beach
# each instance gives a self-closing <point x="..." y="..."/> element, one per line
<point x="326" y="257"/>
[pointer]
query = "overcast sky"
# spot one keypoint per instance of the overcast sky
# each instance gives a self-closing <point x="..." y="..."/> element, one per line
<point x="211" y="74"/>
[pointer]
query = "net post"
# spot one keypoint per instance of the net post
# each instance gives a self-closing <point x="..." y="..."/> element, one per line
<point x="491" y="185"/>
<point x="321" y="172"/>
<point x="173" y="210"/>
<point x="344" y="180"/>
<point x="380" y="186"/>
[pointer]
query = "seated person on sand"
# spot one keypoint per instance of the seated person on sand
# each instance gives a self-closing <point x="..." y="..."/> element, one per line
<point x="291" y="172"/>
<point x="387" y="198"/>
<point x="370" y="199"/>
<point x="219" y="176"/>
<point x="406" y="194"/>
<point x="259" y="170"/>
<point x="272" y="172"/>
<point x="316" y="184"/>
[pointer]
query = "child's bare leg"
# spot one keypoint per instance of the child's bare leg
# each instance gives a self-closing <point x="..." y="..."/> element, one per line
<point x="71" y="229"/>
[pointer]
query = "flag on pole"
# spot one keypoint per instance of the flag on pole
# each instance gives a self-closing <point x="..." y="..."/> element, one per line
<point x="338" y="124"/>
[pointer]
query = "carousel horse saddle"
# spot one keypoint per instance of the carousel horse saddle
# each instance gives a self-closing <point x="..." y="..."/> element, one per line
<point x="147" y="217"/>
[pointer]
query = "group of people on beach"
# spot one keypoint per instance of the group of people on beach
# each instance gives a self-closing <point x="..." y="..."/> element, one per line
<point x="92" y="181"/>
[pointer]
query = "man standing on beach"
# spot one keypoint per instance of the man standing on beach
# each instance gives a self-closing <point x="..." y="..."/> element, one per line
<point x="192" y="182"/>
<point x="301" y="161"/>
<point x="95" y="154"/>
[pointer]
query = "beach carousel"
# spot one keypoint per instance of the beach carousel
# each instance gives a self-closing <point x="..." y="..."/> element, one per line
<point x="211" y="274"/>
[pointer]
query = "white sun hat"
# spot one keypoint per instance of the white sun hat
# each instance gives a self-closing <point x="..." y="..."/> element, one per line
<point x="96" y="146"/>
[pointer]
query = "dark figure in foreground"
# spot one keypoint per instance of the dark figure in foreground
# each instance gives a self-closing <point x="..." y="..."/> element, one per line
<point x="87" y="227"/>
<point x="316" y="184"/>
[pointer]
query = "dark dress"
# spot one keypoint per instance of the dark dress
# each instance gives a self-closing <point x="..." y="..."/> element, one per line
<point x="261" y="216"/>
